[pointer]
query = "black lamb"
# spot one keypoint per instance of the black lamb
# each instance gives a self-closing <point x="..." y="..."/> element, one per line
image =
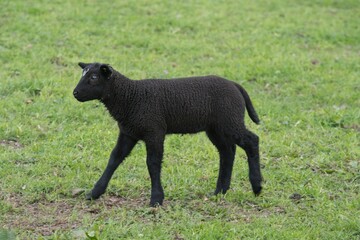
<point x="149" y="109"/>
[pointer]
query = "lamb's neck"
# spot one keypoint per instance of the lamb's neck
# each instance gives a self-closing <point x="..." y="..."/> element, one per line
<point x="121" y="93"/>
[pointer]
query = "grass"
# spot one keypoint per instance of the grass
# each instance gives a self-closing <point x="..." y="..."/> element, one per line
<point x="299" y="61"/>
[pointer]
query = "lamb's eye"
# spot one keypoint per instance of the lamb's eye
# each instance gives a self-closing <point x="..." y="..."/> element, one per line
<point x="93" y="79"/>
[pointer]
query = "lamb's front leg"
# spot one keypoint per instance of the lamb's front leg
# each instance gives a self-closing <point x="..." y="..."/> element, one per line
<point x="122" y="149"/>
<point x="154" y="148"/>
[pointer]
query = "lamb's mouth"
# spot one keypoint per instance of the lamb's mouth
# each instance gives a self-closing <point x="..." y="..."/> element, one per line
<point x="81" y="98"/>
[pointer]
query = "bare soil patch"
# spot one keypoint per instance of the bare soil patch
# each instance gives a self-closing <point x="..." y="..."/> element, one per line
<point x="46" y="217"/>
<point x="11" y="143"/>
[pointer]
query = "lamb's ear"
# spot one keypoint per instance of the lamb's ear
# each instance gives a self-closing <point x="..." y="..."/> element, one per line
<point x="106" y="69"/>
<point x="83" y="65"/>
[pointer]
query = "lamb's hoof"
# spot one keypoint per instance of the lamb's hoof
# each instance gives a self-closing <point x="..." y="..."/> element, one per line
<point x="89" y="196"/>
<point x="156" y="204"/>
<point x="257" y="190"/>
<point x="215" y="193"/>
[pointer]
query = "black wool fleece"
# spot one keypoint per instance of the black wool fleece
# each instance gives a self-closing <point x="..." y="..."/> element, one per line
<point x="149" y="109"/>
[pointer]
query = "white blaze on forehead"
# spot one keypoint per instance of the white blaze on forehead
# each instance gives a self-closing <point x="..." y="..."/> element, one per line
<point x="85" y="71"/>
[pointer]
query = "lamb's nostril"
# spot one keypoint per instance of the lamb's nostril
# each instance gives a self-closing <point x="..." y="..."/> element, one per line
<point x="75" y="93"/>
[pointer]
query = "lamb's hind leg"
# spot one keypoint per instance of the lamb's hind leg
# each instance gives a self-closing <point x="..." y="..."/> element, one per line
<point x="227" y="155"/>
<point x="250" y="143"/>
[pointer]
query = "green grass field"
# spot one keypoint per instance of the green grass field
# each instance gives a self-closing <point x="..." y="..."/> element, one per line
<point x="299" y="61"/>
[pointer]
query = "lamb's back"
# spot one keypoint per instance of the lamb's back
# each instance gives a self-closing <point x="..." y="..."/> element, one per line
<point x="187" y="104"/>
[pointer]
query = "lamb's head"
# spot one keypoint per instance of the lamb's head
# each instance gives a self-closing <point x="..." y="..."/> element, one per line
<point x="95" y="77"/>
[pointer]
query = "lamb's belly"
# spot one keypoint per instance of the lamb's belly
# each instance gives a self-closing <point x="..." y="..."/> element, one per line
<point x="182" y="126"/>
<point x="188" y="118"/>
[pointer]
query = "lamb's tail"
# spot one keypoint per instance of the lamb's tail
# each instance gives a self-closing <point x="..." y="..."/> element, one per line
<point x="249" y="107"/>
